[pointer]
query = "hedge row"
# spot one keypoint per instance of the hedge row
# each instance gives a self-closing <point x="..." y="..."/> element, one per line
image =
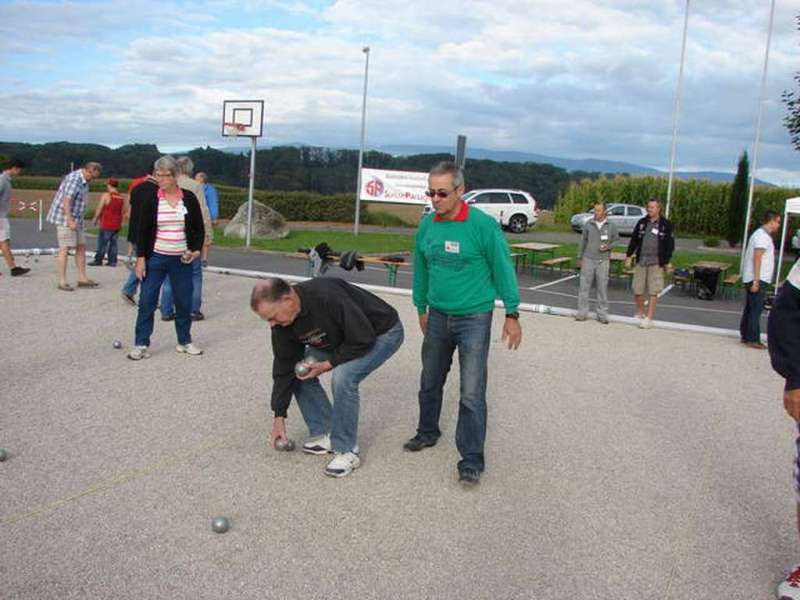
<point x="24" y="182"/>
<point x="294" y="206"/>
<point x="697" y="207"/>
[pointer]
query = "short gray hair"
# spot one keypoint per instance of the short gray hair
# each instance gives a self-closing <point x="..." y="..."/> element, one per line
<point x="202" y="175"/>
<point x="93" y="166"/>
<point x="185" y="165"/>
<point x="448" y="167"/>
<point x="270" y="290"/>
<point x="166" y="163"/>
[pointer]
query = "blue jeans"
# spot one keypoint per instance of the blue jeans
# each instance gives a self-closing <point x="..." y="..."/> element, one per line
<point x="132" y="285"/>
<point x="107" y="238"/>
<point x="750" y="324"/>
<point x="341" y="420"/>
<point x="160" y="267"/>
<point x="471" y="335"/>
<point x="168" y="304"/>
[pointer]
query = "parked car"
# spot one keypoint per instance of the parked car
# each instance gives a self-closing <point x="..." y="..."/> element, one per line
<point x="515" y="210"/>
<point x="624" y="216"/>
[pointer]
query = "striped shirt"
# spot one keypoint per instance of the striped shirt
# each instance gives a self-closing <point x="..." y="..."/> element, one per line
<point x="75" y="187"/>
<point x="170" y="227"/>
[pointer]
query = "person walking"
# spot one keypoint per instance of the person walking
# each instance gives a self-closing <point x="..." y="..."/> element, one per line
<point x="652" y="243"/>
<point x="461" y="264"/>
<point x="169" y="237"/>
<point x="108" y="215"/>
<point x="67" y="214"/>
<point x="11" y="169"/>
<point x="350" y="332"/>
<point x="594" y="252"/>
<point x="758" y="268"/>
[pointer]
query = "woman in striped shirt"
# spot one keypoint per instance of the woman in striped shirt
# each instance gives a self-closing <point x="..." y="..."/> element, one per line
<point x="169" y="237"/>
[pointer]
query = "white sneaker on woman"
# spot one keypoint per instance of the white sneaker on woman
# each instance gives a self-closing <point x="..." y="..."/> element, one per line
<point x="189" y="348"/>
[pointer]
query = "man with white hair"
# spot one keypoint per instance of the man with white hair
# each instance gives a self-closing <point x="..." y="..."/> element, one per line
<point x="186" y="182"/>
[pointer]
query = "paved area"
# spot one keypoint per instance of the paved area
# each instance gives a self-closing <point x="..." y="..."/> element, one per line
<point x="540" y="287"/>
<point x="620" y="464"/>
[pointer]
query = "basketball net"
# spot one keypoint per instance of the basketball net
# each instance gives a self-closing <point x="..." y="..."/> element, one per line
<point x="233" y="129"/>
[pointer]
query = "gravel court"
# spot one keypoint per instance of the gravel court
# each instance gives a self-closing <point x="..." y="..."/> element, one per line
<point x="607" y="477"/>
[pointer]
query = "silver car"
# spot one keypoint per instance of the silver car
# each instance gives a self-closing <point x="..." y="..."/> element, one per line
<point x="624" y="216"/>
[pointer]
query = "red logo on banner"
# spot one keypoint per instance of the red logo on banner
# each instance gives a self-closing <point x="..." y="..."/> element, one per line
<point x="375" y="188"/>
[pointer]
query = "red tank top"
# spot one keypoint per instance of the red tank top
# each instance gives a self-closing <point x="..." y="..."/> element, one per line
<point x="111" y="218"/>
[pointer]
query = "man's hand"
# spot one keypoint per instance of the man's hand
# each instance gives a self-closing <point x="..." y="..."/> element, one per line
<point x="72" y="224"/>
<point x="278" y="431"/>
<point x="669" y="268"/>
<point x="512" y="331"/>
<point x="316" y="369"/>
<point x="628" y="262"/>
<point x="195" y="254"/>
<point x="139" y="269"/>
<point x="791" y="402"/>
<point x="756" y="286"/>
<point x="423" y="323"/>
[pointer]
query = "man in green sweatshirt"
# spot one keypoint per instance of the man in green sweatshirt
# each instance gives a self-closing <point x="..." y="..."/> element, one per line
<point x="461" y="265"/>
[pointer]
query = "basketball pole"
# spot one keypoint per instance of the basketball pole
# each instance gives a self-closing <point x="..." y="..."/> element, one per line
<point x="250" y="190"/>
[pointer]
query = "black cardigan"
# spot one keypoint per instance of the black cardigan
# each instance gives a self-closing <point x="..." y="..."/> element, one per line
<point x="148" y="215"/>
<point x="666" y="241"/>
<point x="144" y="189"/>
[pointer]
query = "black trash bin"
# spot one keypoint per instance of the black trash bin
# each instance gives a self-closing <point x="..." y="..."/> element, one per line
<point x="706" y="281"/>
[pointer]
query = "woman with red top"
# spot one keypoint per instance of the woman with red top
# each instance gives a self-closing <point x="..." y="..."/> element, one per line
<point x="109" y="215"/>
<point x="169" y="237"/>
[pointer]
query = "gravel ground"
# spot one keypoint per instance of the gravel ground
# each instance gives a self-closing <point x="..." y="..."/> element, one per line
<point x="620" y="464"/>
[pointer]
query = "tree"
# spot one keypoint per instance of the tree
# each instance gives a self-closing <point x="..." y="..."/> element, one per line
<point x="737" y="202"/>
<point x="792" y="102"/>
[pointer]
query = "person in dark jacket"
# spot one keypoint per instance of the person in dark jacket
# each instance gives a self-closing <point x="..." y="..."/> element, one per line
<point x="653" y="243"/>
<point x="169" y="237"/>
<point x="325" y="324"/>
<point x="783" y="333"/>
<point x="139" y="188"/>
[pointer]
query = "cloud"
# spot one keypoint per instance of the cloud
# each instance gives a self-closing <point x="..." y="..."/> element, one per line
<point x="591" y="78"/>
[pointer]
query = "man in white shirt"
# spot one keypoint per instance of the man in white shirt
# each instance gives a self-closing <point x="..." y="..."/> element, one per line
<point x="758" y="267"/>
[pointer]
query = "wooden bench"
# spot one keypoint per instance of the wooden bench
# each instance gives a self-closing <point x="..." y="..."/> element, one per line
<point x="730" y="285"/>
<point x="559" y="262"/>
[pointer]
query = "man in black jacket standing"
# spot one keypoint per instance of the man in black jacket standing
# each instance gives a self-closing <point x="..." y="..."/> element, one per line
<point x="653" y="244"/>
<point x="326" y="324"/>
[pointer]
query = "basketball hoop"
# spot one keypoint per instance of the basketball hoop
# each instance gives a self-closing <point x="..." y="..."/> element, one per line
<point x="233" y="129"/>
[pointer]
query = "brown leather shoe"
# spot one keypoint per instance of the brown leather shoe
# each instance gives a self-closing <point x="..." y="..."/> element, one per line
<point x="756" y="345"/>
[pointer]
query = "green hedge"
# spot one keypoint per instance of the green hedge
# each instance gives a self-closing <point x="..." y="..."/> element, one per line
<point x="24" y="182"/>
<point x="697" y="207"/>
<point x="294" y="206"/>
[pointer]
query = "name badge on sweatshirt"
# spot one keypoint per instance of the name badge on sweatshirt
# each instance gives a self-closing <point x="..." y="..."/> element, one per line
<point x="654" y="231"/>
<point x="452" y="247"/>
<point x="604" y="237"/>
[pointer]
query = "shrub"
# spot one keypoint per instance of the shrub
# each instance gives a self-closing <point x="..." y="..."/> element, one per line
<point x="711" y="242"/>
<point x="295" y="206"/>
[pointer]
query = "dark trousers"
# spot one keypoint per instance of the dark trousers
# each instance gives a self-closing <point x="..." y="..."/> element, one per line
<point x="159" y="267"/>
<point x="107" y="239"/>
<point x="750" y="325"/>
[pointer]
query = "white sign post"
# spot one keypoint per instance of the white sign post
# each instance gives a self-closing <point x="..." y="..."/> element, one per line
<point x="245" y="118"/>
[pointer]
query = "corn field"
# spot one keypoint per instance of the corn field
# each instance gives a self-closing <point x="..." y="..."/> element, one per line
<point x="697" y="207"/>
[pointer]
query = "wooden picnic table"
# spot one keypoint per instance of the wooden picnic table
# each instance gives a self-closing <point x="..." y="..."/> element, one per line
<point x="531" y="248"/>
<point x="712" y="264"/>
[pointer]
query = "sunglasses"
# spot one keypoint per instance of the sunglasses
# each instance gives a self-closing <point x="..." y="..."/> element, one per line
<point x="438" y="193"/>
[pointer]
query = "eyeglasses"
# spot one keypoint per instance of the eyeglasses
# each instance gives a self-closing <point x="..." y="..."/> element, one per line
<point x="438" y="193"/>
<point x="162" y="175"/>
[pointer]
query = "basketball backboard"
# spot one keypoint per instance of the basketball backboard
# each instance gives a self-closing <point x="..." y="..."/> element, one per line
<point x="242" y="118"/>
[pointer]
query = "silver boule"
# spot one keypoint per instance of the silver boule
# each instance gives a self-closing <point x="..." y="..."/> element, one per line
<point x="220" y="524"/>
<point x="117" y="344"/>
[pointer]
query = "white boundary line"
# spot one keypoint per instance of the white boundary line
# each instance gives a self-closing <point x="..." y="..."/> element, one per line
<point x="666" y="290"/>
<point x="544" y="285"/>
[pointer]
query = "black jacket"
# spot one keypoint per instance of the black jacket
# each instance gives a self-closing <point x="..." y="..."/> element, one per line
<point x="666" y="241"/>
<point x="783" y="331"/>
<point x="337" y="319"/>
<point x="145" y="237"/>
<point x="146" y="188"/>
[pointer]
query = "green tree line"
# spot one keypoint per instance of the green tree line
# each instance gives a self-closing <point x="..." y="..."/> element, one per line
<point x="318" y="170"/>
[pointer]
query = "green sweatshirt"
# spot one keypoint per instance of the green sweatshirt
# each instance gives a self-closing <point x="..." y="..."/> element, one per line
<point x="460" y="267"/>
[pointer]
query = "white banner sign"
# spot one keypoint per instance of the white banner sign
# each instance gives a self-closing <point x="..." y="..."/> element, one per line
<point x="402" y="187"/>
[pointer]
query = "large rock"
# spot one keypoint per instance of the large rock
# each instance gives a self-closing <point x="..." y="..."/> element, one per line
<point x="268" y="224"/>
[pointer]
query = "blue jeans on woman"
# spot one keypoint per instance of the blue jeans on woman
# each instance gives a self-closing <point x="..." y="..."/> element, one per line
<point x="107" y="239"/>
<point x="168" y="304"/>
<point x="341" y="419"/>
<point x="158" y="268"/>
<point x="471" y="335"/>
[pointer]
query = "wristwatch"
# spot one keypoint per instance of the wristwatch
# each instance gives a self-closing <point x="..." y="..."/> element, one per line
<point x="514" y="315"/>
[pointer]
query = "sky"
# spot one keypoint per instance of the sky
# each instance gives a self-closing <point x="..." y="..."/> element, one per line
<point x="578" y="79"/>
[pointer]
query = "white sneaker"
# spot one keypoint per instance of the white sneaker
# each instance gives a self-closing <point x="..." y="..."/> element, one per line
<point x="646" y="324"/>
<point x="343" y="464"/>
<point x="321" y="445"/>
<point x="790" y="587"/>
<point x="189" y="348"/>
<point x="138" y="353"/>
